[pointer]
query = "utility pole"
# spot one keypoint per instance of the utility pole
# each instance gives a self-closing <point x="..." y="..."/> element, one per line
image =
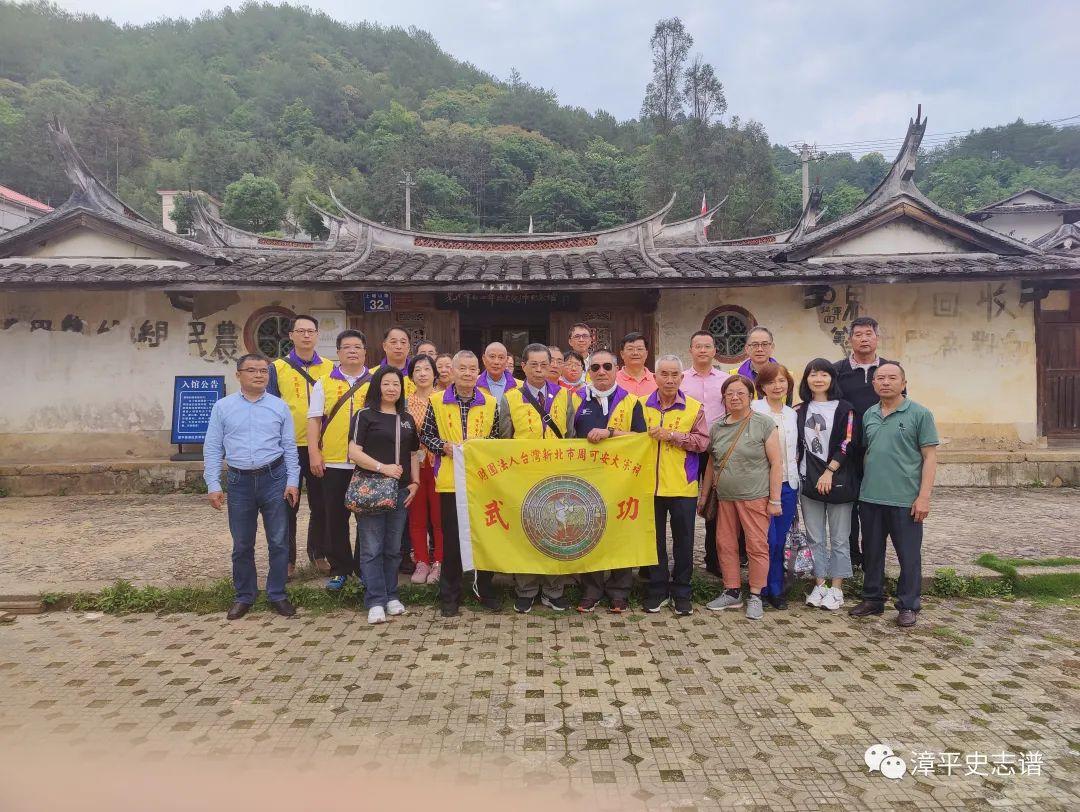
<point x="408" y="183"/>
<point x="805" y="154"/>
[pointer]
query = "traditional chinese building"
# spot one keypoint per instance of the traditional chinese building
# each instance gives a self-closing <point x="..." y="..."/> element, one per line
<point x="100" y="309"/>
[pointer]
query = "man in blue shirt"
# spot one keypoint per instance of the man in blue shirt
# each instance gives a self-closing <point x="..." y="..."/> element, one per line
<point x="254" y="432"/>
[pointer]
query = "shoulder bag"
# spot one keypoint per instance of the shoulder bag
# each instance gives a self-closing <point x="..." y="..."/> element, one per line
<point x="337" y="406"/>
<point x="370" y="493"/>
<point x="845" y="480"/>
<point x="545" y="417"/>
<point x="712" y="500"/>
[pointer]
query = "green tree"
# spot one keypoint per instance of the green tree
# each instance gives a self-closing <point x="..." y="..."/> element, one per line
<point x="182" y="214"/>
<point x="253" y="203"/>
<point x="670" y="45"/>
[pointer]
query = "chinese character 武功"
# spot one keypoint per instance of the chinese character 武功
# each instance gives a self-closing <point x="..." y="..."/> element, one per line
<point x="493" y="514"/>
<point x="628" y="508"/>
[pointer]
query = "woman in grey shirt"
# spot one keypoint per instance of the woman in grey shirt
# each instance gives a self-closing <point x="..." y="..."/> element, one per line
<point x="744" y="448"/>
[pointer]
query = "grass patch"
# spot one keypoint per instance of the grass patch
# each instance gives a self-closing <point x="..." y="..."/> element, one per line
<point x="124" y="598"/>
<point x="1051" y="586"/>
<point x="989" y="559"/>
<point x="953" y="636"/>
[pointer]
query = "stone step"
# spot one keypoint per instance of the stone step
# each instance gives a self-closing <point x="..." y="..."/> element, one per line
<point x="21" y="605"/>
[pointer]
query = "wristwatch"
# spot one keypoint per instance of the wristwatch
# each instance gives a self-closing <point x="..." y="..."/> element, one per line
<point x="378" y="467"/>
<point x="610" y="433"/>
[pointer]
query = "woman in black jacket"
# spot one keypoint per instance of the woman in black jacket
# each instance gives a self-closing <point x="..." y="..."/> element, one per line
<point x="828" y="432"/>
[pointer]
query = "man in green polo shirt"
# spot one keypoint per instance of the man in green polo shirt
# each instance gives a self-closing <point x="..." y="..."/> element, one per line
<point x="898" y="475"/>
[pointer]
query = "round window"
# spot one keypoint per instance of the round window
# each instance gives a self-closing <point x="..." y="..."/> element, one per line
<point x="729" y="327"/>
<point x="267" y="331"/>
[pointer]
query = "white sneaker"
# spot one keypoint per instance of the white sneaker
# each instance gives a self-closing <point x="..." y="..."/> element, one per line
<point x="376" y="614"/>
<point x="833" y="600"/>
<point x="395" y="608"/>
<point x="816" y="596"/>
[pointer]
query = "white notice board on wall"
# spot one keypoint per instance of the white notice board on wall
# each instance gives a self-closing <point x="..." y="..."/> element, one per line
<point x="331" y="322"/>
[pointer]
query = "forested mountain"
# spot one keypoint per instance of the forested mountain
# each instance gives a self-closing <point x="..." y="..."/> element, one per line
<point x="294" y="97"/>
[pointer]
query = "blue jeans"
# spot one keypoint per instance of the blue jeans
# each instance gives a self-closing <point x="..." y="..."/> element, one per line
<point x="379" y="552"/>
<point x="250" y="495"/>
<point x="778" y="530"/>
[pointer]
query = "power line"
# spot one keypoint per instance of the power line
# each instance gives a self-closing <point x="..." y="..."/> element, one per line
<point x="929" y="136"/>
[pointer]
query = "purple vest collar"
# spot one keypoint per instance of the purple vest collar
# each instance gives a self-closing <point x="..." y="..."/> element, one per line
<point x="485" y="381"/>
<point x="746" y="370"/>
<point x="338" y="375"/>
<point x="653" y="401"/>
<point x="300" y="362"/>
<point x="450" y="396"/>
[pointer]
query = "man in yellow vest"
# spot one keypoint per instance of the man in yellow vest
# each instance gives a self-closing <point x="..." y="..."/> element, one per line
<point x="395" y="347"/>
<point x="498" y="376"/>
<point x="606" y="410"/>
<point x="335" y="398"/>
<point x="538" y="409"/>
<point x="461" y="412"/>
<point x="292" y="379"/>
<point x="677" y="423"/>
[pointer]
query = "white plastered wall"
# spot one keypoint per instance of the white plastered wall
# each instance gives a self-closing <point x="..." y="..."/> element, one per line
<point x="968" y="347"/>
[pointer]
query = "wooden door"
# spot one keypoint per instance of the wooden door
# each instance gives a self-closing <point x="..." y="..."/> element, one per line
<point x="1059" y="369"/>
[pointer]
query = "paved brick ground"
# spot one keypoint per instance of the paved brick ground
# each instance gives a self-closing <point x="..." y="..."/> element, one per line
<point x="604" y="712"/>
<point x="87" y="542"/>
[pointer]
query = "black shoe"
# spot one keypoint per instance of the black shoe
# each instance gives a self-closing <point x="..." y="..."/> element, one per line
<point x="237" y="611"/>
<point x="491" y="603"/>
<point x="778" y="602"/>
<point x="866" y="608"/>
<point x="652" y="605"/>
<point x="618" y="606"/>
<point x="559" y="604"/>
<point x="906" y="618"/>
<point x="523" y="605"/>
<point x="283" y="607"/>
<point x="683" y="607"/>
<point x="743" y="561"/>
<point x="449" y="610"/>
<point x="587" y="605"/>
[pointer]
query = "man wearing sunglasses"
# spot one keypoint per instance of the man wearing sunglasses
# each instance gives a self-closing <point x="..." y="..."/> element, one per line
<point x="607" y="410"/>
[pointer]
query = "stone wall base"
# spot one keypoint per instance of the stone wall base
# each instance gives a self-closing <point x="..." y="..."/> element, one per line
<point x="986" y="469"/>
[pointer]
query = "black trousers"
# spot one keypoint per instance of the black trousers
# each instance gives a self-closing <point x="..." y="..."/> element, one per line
<point x="897" y="523"/>
<point x="674" y="583"/>
<point x="615" y="584"/>
<point x="316" y="533"/>
<point x="712" y="559"/>
<point x="451" y="577"/>
<point x="339" y="546"/>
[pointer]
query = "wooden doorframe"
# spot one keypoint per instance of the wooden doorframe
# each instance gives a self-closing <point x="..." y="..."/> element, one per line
<point x="1044" y="319"/>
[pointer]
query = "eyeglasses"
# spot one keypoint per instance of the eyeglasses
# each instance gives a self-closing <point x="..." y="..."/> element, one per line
<point x="607" y="367"/>
<point x="305" y="332"/>
<point x="581" y="335"/>
<point x="759" y="345"/>
<point x="254" y="371"/>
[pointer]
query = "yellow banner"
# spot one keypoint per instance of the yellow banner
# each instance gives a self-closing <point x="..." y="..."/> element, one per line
<point x="558" y="507"/>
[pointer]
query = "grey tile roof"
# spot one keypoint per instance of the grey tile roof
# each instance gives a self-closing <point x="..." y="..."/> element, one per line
<point x="689" y="267"/>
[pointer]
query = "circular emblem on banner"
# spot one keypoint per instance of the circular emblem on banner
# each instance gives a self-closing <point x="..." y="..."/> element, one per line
<point x="564" y="517"/>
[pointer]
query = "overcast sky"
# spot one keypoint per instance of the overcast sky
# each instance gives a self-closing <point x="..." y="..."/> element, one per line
<point x="827" y="72"/>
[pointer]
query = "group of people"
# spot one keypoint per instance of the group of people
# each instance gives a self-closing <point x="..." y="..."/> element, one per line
<point x="856" y="455"/>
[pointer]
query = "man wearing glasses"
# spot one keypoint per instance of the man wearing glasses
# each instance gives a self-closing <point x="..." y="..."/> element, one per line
<point x="759" y="347"/>
<point x="580" y="339"/>
<point x="253" y="431"/>
<point x="292" y="378"/>
<point x="607" y="410"/>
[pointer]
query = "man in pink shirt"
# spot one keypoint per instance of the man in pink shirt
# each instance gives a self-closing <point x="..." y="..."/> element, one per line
<point x="702" y="381"/>
<point x="633" y="375"/>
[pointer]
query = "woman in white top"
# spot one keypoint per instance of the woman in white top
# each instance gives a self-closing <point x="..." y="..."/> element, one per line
<point x="774" y="387"/>
<point x="828" y="433"/>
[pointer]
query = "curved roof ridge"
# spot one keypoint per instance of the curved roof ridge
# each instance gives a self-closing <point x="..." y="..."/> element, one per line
<point x="94" y="193"/>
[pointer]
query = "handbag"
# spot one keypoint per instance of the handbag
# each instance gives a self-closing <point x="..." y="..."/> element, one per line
<point x="845" y="482"/>
<point x="798" y="555"/>
<point x="712" y="499"/>
<point x="370" y="493"/>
